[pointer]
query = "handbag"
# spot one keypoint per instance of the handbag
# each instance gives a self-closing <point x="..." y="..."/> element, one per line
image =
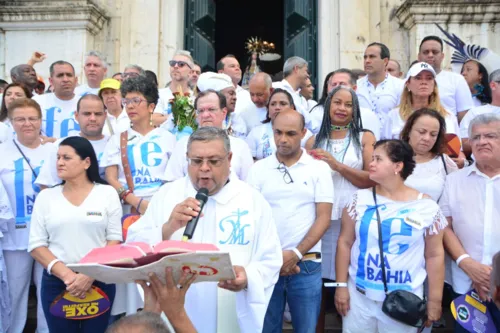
<point x="401" y="305"/>
<point x="127" y="219"/>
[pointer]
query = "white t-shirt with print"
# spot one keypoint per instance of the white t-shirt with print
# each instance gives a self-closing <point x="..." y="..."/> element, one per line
<point x="84" y="89"/>
<point x="147" y="155"/>
<point x="48" y="173"/>
<point x="58" y="116"/>
<point x="18" y="180"/>
<point x="5" y="132"/>
<point x="403" y="243"/>
<point x="261" y="141"/>
<point x="454" y="93"/>
<point x="6" y="215"/>
<point x="70" y="231"/>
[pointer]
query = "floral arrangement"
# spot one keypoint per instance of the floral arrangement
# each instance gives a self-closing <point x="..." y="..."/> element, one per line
<point x="183" y="111"/>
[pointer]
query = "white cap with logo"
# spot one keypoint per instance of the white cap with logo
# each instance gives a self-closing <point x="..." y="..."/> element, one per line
<point x="418" y="68"/>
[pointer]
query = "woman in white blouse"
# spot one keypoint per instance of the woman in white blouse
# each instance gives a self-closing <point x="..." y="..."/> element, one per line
<point x="68" y="221"/>
<point x="424" y="131"/>
<point x="12" y="92"/>
<point x="421" y="91"/>
<point x="261" y="138"/>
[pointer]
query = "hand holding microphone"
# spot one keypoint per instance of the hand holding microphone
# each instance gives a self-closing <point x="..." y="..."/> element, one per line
<point x="187" y="211"/>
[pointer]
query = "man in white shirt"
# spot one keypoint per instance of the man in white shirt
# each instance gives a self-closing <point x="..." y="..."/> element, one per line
<point x="229" y="65"/>
<point x="195" y="74"/>
<point x="454" y="92"/>
<point x="236" y="219"/>
<point x="58" y="108"/>
<point x="295" y="73"/>
<point x="494" y="107"/>
<point x="345" y="77"/>
<point x="117" y="120"/>
<point x="470" y="204"/>
<point x="307" y="93"/>
<point x="211" y="111"/>
<point x="181" y="67"/>
<point x="300" y="192"/>
<point x="91" y="115"/>
<point x="260" y="87"/>
<point x="95" y="69"/>
<point x="378" y="90"/>
<point x="394" y="68"/>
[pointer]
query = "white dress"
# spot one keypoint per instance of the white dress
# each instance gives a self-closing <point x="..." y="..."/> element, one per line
<point x="344" y="190"/>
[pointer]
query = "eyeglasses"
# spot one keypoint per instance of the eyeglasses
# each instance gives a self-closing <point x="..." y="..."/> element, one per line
<point x="286" y="175"/>
<point x="179" y="63"/>
<point x="133" y="101"/>
<point x="130" y="74"/>
<point x="212" y="162"/>
<point x="22" y="121"/>
<point x="210" y="110"/>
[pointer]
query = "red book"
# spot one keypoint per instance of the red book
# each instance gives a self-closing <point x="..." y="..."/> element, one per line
<point x="139" y="254"/>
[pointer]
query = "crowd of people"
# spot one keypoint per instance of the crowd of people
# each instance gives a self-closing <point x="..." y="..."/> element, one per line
<point x="341" y="201"/>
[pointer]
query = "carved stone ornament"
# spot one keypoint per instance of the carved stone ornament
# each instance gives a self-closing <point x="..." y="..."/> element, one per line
<point x="52" y="14"/>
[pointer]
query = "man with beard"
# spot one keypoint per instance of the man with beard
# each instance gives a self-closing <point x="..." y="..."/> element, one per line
<point x="95" y="69"/>
<point x="181" y="67"/>
<point x="58" y="108"/>
<point x="91" y="115"/>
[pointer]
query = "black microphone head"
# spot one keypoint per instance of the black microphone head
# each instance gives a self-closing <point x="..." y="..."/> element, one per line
<point x="202" y="195"/>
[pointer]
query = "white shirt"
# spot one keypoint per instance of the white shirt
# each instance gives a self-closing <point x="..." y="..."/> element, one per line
<point x="70" y="231"/>
<point x="114" y="125"/>
<point x="243" y="99"/>
<point x="6" y="215"/>
<point x="470" y="198"/>
<point x="429" y="177"/>
<point x="473" y="113"/>
<point x="253" y="117"/>
<point x="240" y="162"/>
<point x="5" y="132"/>
<point x="454" y="93"/>
<point x="58" y="116"/>
<point x="369" y="119"/>
<point x="48" y="173"/>
<point x="261" y="141"/>
<point x="293" y="204"/>
<point x="84" y="89"/>
<point x="265" y="260"/>
<point x="18" y="179"/>
<point x="164" y="107"/>
<point x="394" y="125"/>
<point x="147" y="155"/>
<point x="403" y="243"/>
<point x="383" y="98"/>
<point x="298" y="100"/>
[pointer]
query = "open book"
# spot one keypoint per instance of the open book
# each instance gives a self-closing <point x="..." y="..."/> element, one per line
<point x="129" y="262"/>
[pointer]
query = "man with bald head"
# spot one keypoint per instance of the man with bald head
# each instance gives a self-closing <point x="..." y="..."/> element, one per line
<point x="260" y="87"/>
<point x="24" y="74"/>
<point x="299" y="189"/>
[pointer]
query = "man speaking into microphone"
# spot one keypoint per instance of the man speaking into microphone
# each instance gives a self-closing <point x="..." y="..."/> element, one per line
<point x="236" y="218"/>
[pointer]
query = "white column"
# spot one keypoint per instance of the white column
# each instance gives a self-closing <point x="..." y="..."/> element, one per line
<point x="328" y="39"/>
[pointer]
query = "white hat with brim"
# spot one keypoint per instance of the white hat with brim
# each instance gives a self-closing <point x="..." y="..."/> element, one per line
<point x="214" y="81"/>
<point x="418" y="68"/>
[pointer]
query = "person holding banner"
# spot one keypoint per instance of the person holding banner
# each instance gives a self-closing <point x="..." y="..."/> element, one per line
<point x="68" y="221"/>
<point x="236" y="218"/>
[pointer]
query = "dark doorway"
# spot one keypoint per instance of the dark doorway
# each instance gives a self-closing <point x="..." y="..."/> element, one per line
<point x="238" y="20"/>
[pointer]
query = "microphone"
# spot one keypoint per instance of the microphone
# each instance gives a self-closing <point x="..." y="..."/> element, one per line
<point x="202" y="197"/>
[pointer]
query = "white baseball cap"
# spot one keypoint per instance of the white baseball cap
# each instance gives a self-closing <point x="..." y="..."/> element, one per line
<point x="215" y="81"/>
<point x="418" y="68"/>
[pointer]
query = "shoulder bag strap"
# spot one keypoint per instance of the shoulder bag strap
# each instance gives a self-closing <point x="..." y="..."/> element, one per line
<point x="380" y="242"/>
<point x="125" y="164"/>
<point x="444" y="164"/>
<point x="25" y="158"/>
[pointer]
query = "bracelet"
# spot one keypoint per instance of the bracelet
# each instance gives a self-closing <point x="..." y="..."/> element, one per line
<point x="127" y="192"/>
<point x="121" y="190"/>
<point x="51" y="264"/>
<point x="297" y="252"/>
<point x="336" y="284"/>
<point x="139" y="205"/>
<point x="462" y="257"/>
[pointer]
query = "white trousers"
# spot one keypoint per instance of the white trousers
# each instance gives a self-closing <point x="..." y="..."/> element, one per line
<point x="20" y="268"/>
<point x="366" y="316"/>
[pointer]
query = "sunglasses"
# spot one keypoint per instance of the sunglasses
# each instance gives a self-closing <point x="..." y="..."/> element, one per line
<point x="179" y="63"/>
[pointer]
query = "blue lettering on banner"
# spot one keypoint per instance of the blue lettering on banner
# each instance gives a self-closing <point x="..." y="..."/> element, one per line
<point x="24" y="203"/>
<point x="146" y="149"/>
<point x="237" y="235"/>
<point x="372" y="265"/>
<point x="142" y="177"/>
<point x="65" y="128"/>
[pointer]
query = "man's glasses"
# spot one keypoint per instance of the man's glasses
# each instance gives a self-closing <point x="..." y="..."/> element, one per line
<point x="179" y="63"/>
<point x="22" y="121"/>
<point x="209" y="110"/>
<point x="212" y="162"/>
<point x="130" y="74"/>
<point x="133" y="101"/>
<point x="286" y="175"/>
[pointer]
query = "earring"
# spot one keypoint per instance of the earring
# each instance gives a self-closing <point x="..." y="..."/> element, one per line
<point x="151" y="119"/>
<point x="395" y="172"/>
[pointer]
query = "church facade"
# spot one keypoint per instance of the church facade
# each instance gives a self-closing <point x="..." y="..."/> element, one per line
<point x="328" y="33"/>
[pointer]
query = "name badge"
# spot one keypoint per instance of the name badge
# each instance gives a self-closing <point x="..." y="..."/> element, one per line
<point x="415" y="221"/>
